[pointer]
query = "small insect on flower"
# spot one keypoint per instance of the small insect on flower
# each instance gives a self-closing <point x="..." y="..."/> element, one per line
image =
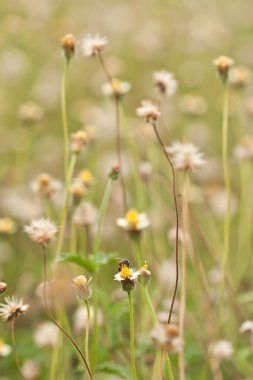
<point x="41" y="231"/>
<point x="126" y="275"/>
<point x="12" y="308"/>
<point x="93" y="45"/>
<point x="124" y="262"/>
<point x="149" y="111"/>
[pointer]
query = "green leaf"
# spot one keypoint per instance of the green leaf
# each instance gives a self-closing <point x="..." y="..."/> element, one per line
<point x="111" y="368"/>
<point x="90" y="263"/>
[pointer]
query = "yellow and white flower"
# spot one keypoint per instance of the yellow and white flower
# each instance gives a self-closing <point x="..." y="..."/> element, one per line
<point x="133" y="221"/>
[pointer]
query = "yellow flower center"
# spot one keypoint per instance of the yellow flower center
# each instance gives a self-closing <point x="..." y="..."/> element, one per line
<point x="126" y="272"/>
<point x="132" y="218"/>
<point x="7" y="226"/>
<point x="116" y="85"/>
<point x="85" y="176"/>
<point x="2" y="344"/>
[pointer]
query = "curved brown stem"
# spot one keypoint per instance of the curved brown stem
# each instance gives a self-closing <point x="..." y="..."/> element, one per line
<point x="177" y="218"/>
<point x="54" y="321"/>
<point x="14" y="346"/>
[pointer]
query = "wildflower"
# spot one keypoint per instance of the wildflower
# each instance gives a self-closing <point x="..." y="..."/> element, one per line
<point x="85" y="214"/>
<point x="30" y="370"/>
<point x="166" y="337"/>
<point x="217" y="200"/>
<point x="82" y="284"/>
<point x="223" y="65"/>
<point x="79" y="140"/>
<point x="222" y="349"/>
<point x="149" y="111"/>
<point x="45" y="186"/>
<point x="80" y="318"/>
<point x="126" y="276"/>
<point x="68" y="44"/>
<point x="145" y="275"/>
<point x="145" y="170"/>
<point x="185" y="156"/>
<point x="116" y="88"/>
<point x="133" y="221"/>
<point x="41" y="230"/>
<point x="7" y="226"/>
<point x="12" y="308"/>
<point x="246" y="327"/>
<point x="165" y="82"/>
<point x="30" y="112"/>
<point x="5" y="349"/>
<point x="3" y="287"/>
<point x="240" y="77"/>
<point x="192" y="104"/>
<point x="86" y="177"/>
<point x="77" y="189"/>
<point x="244" y="150"/>
<point x="46" y="335"/>
<point x="93" y="45"/>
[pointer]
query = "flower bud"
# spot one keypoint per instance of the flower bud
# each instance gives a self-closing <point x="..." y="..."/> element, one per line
<point x="78" y="141"/>
<point x="223" y="65"/>
<point x="145" y="275"/>
<point x="68" y="44"/>
<point x="82" y="284"/>
<point x="114" y="172"/>
<point x="127" y="285"/>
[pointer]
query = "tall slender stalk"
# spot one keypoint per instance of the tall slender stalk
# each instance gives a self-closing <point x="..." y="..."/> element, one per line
<point x="54" y="321"/>
<point x="64" y="115"/>
<point x="177" y="217"/>
<point x="87" y="330"/>
<point x="131" y="320"/>
<point x="14" y="346"/>
<point x="185" y="224"/>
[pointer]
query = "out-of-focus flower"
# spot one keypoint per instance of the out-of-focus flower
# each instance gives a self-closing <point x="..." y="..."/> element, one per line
<point x="133" y="221"/>
<point x="222" y="349"/>
<point x="30" y="112"/>
<point x="166" y="337"/>
<point x="3" y="287"/>
<point x="85" y="214"/>
<point x="246" y="327"/>
<point x="86" y="177"/>
<point x="83" y="285"/>
<point x="148" y="110"/>
<point x="93" y="45"/>
<point x="30" y="370"/>
<point x="45" y="185"/>
<point x="7" y="226"/>
<point x="185" y="156"/>
<point x="5" y="349"/>
<point x="223" y="65"/>
<point x="145" y="274"/>
<point x="145" y="170"/>
<point x="68" y="44"/>
<point x="192" y="104"/>
<point x="46" y="335"/>
<point x="79" y="140"/>
<point x="217" y="201"/>
<point x="12" y="308"/>
<point x="80" y="318"/>
<point x="165" y="82"/>
<point x="77" y="189"/>
<point x="116" y="88"/>
<point x="41" y="231"/>
<point x="240" y="77"/>
<point x="244" y="150"/>
<point x="172" y="235"/>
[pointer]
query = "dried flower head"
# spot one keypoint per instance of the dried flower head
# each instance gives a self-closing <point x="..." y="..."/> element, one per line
<point x="93" y="45"/>
<point x="126" y="276"/>
<point x="222" y="349"/>
<point x="244" y="150"/>
<point x="46" y="335"/>
<point x="86" y="177"/>
<point x="185" y="156"/>
<point x="145" y="274"/>
<point x="45" y="185"/>
<point x="85" y="214"/>
<point x="3" y="287"/>
<point x="240" y="77"/>
<point x="7" y="226"/>
<point x="223" y="65"/>
<point x="79" y="140"/>
<point x="41" y="231"/>
<point x="82" y="284"/>
<point x="165" y="82"/>
<point x="166" y="337"/>
<point x="116" y="88"/>
<point x="68" y="44"/>
<point x="149" y="111"/>
<point x="5" y="349"/>
<point x="133" y="221"/>
<point x="30" y="112"/>
<point x="77" y="189"/>
<point x="12" y="308"/>
<point x="246" y="327"/>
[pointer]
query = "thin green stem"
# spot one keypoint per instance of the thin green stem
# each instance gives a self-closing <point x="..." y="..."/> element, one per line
<point x="87" y="330"/>
<point x="150" y="305"/>
<point x="64" y="116"/>
<point x="169" y="367"/>
<point x="14" y="346"/>
<point x="137" y="242"/>
<point x="131" y="320"/>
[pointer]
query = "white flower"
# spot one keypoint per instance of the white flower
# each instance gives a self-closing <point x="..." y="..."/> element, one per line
<point x="148" y="110"/>
<point x="41" y="230"/>
<point x="244" y="150"/>
<point x="46" y="335"/>
<point x="5" y="349"/>
<point x="85" y="214"/>
<point x="80" y="319"/>
<point x="93" y="45"/>
<point x="246" y="327"/>
<point x="12" y="308"/>
<point x="221" y="349"/>
<point x="165" y="82"/>
<point x="133" y="221"/>
<point x="185" y="156"/>
<point x="126" y="273"/>
<point x="45" y="185"/>
<point x="116" y="87"/>
<point x="30" y="370"/>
